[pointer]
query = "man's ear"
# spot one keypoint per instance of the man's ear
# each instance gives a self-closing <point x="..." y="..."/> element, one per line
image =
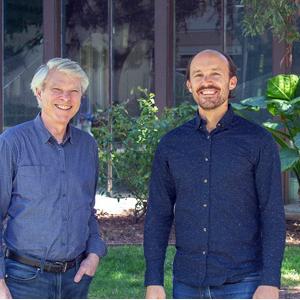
<point x="232" y="83"/>
<point x="188" y="85"/>
<point x="38" y="94"/>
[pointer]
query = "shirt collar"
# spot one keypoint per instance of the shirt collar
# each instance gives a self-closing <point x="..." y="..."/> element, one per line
<point x="45" y="135"/>
<point x="223" y="123"/>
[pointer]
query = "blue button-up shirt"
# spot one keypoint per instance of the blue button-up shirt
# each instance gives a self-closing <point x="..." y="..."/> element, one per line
<point x="223" y="189"/>
<point x="47" y="193"/>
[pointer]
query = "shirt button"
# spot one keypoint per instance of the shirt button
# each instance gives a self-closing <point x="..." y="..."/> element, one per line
<point x="203" y="252"/>
<point x="206" y="158"/>
<point x="218" y="124"/>
<point x="205" y="180"/>
<point x="204" y="229"/>
<point x="204" y="205"/>
<point x="208" y="137"/>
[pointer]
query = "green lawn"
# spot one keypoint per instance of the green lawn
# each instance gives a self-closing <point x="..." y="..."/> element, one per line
<point x="121" y="273"/>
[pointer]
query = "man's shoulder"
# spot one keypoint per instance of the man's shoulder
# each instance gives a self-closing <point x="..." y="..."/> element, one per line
<point x="83" y="136"/>
<point x="178" y="133"/>
<point x="15" y="132"/>
<point x="253" y="129"/>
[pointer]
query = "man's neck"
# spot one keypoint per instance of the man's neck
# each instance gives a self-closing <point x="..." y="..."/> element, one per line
<point x="58" y="131"/>
<point x="213" y="116"/>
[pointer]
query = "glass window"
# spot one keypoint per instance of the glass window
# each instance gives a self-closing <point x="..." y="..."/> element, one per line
<point x="87" y="41"/>
<point x="23" y="52"/>
<point x="133" y="48"/>
<point x="203" y="24"/>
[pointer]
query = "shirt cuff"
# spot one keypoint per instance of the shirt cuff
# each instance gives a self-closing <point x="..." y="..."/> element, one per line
<point x="2" y="268"/>
<point x="154" y="274"/>
<point x="271" y="278"/>
<point x="97" y="246"/>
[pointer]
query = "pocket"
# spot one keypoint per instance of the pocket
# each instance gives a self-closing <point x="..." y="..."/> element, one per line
<point x="20" y="272"/>
<point x="28" y="182"/>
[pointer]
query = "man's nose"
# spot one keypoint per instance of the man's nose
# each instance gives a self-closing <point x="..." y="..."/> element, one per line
<point x="65" y="95"/>
<point x="206" y="78"/>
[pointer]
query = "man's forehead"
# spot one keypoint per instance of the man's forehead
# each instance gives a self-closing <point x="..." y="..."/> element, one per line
<point x="55" y="75"/>
<point x="213" y="59"/>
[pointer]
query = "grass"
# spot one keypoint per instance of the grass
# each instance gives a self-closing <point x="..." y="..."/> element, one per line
<point x="121" y="273"/>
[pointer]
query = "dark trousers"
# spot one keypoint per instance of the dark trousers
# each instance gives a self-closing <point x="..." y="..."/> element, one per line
<point x="239" y="290"/>
<point x="27" y="282"/>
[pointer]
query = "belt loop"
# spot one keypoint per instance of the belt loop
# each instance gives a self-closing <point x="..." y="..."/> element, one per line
<point x="43" y="260"/>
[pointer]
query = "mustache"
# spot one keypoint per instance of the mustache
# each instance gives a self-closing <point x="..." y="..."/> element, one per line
<point x="208" y="87"/>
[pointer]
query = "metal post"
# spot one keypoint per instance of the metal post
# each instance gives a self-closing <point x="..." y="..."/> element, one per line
<point x="110" y="93"/>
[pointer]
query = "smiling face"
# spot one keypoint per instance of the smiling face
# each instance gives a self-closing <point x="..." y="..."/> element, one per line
<point x="59" y="98"/>
<point x="209" y="80"/>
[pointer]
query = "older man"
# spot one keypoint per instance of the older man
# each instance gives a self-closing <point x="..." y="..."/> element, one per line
<point x="218" y="176"/>
<point x="48" y="180"/>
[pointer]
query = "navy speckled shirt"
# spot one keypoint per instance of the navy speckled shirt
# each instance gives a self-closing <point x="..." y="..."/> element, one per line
<point x="223" y="189"/>
<point x="47" y="190"/>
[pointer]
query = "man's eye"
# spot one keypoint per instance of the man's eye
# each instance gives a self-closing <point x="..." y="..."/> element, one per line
<point x="56" y="90"/>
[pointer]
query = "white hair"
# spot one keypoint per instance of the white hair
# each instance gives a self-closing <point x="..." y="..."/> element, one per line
<point x="61" y="64"/>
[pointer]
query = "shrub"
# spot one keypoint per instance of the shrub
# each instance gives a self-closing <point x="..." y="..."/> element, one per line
<point x="129" y="144"/>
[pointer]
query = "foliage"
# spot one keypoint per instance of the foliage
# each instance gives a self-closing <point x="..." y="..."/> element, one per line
<point x="121" y="273"/>
<point x="275" y="15"/>
<point x="282" y="100"/>
<point x="278" y="16"/>
<point x="131" y="143"/>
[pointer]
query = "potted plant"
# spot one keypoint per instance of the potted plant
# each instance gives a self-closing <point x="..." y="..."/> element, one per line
<point x="282" y="101"/>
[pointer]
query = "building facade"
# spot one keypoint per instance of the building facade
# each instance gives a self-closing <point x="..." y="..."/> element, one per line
<point x="123" y="44"/>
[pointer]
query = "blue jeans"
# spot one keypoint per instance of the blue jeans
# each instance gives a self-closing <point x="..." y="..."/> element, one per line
<point x="26" y="282"/>
<point x="243" y="289"/>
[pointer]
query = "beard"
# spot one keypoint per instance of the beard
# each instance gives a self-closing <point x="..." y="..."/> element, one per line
<point x="209" y="103"/>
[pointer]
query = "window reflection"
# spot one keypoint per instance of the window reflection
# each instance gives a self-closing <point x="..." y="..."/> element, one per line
<point x="87" y="41"/>
<point x="22" y="56"/>
<point x="206" y="24"/>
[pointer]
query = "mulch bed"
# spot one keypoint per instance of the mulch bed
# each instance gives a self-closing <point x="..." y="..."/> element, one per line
<point x="123" y="230"/>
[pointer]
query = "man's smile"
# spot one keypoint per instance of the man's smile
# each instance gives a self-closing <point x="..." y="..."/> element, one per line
<point x="63" y="107"/>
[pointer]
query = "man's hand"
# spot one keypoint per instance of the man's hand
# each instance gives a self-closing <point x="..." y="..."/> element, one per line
<point x="266" y="292"/>
<point x="155" y="292"/>
<point x="4" y="291"/>
<point x="88" y="266"/>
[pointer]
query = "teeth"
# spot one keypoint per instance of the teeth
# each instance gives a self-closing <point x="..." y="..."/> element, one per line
<point x="64" y="107"/>
<point x="208" y="92"/>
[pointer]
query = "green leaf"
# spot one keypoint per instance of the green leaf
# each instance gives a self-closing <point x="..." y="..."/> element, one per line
<point x="259" y="101"/>
<point x="282" y="86"/>
<point x="238" y="106"/>
<point x="280" y="105"/>
<point x="288" y="158"/>
<point x="271" y="125"/>
<point x="297" y="140"/>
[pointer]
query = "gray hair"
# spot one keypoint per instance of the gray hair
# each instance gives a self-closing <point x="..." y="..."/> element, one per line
<point x="61" y="64"/>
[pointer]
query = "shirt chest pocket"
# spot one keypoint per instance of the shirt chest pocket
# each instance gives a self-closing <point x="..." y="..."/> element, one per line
<point x="33" y="182"/>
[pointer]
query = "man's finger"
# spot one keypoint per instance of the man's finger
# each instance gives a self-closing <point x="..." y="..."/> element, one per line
<point x="79" y="275"/>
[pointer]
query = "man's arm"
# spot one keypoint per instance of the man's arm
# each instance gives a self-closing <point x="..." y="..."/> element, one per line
<point x="159" y="218"/>
<point x="6" y="179"/>
<point x="96" y="247"/>
<point x="272" y="218"/>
